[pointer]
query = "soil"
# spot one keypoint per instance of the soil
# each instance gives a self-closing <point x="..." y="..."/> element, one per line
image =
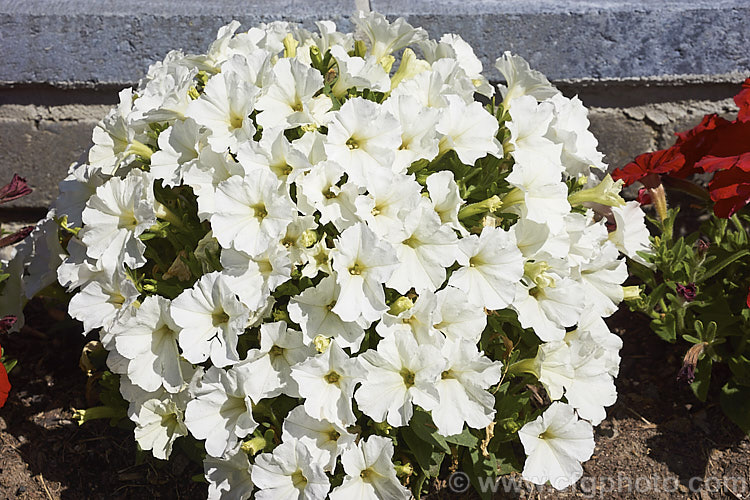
<point x="658" y="441"/>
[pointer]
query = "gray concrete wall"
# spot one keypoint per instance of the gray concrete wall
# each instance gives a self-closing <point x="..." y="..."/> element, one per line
<point x="647" y="68"/>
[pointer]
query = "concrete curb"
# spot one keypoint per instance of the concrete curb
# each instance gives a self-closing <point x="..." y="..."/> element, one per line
<point x="80" y="43"/>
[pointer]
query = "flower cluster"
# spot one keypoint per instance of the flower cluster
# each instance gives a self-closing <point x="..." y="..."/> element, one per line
<point x="715" y="146"/>
<point x="335" y="267"/>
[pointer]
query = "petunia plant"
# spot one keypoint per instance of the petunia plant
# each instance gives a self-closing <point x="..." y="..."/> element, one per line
<point x="320" y="261"/>
<point x="697" y="278"/>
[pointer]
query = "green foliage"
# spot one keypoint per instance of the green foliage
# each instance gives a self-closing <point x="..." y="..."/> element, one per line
<point x="696" y="293"/>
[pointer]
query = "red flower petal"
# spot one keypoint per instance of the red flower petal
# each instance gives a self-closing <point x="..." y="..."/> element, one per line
<point x="715" y="163"/>
<point x="658" y="162"/>
<point x="730" y="189"/>
<point x="4" y="385"/>
<point x="743" y="101"/>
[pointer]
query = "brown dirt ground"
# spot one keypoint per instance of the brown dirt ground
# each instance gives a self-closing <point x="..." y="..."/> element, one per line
<point x="658" y="441"/>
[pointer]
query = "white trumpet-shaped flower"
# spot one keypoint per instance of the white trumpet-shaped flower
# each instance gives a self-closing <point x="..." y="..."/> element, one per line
<point x="556" y="443"/>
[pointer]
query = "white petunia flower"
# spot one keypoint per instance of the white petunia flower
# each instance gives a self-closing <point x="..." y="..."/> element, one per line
<point x="389" y="200"/>
<point x="468" y="129"/>
<point x="327" y="382"/>
<point x="179" y="148"/>
<point x="386" y="37"/>
<point x="312" y="310"/>
<point x="555" y="444"/>
<point x="592" y="388"/>
<point x="426" y="248"/>
<point x="358" y="72"/>
<point x="219" y="412"/>
<point x="325" y="440"/>
<point x="446" y="199"/>
<point x="570" y="127"/>
<point x="119" y="212"/>
<point x="101" y="303"/>
<point x="553" y="367"/>
<point x="522" y="80"/>
<point x="164" y="93"/>
<point x="319" y="191"/>
<point x="289" y="472"/>
<point x="158" y="425"/>
<point x="456" y="317"/>
<point x="602" y="279"/>
<point x="114" y="136"/>
<point x="452" y="46"/>
<point x="251" y="213"/>
<point x="254" y="278"/>
<point x="288" y="101"/>
<point x="370" y="474"/>
<point x="362" y="136"/>
<point x="462" y="388"/>
<point x="206" y="174"/>
<point x="548" y="303"/>
<point x="399" y="373"/>
<point x="274" y="152"/>
<point x="415" y="318"/>
<point x="46" y="255"/>
<point x="362" y="263"/>
<point x="491" y="266"/>
<point x="224" y="109"/>
<point x="75" y="190"/>
<point x="267" y="371"/>
<point x="211" y="317"/>
<point x="528" y="127"/>
<point x="542" y="195"/>
<point x="149" y="340"/>
<point x="229" y="475"/>
<point x="419" y="137"/>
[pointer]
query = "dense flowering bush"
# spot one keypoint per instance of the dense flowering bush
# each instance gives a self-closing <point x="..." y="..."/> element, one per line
<point x="697" y="285"/>
<point x="335" y="272"/>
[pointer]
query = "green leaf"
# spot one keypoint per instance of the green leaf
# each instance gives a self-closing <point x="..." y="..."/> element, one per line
<point x="665" y="328"/>
<point x="422" y="450"/>
<point x="691" y="339"/>
<point x="702" y="378"/>
<point x="718" y="266"/>
<point x="9" y="364"/>
<point x="422" y="425"/>
<point x="466" y="438"/>
<point x="740" y="367"/>
<point x="735" y="401"/>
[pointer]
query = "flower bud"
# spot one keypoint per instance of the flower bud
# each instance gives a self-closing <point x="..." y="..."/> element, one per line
<point x="687" y="292"/>
<point x="689" y="362"/>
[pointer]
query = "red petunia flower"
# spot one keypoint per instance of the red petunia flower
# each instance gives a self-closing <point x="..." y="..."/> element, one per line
<point x="4" y="385"/>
